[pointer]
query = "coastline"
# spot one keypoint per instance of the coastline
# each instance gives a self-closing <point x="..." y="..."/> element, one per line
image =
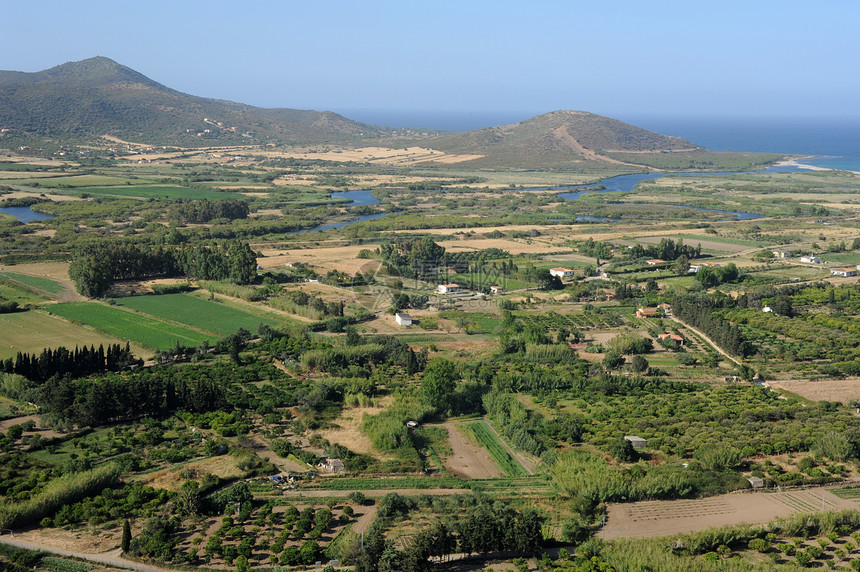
<point x="799" y="164"/>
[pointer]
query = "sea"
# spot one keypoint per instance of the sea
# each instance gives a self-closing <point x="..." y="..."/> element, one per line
<point x="832" y="143"/>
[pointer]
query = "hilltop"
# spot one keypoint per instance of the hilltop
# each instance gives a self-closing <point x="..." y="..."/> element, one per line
<point x="87" y="99"/>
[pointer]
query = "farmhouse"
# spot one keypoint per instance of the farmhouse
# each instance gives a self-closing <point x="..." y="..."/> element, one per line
<point x="561" y="272"/>
<point x="674" y="337"/>
<point x="448" y="288"/>
<point x="694" y="268"/>
<point x="783" y="253"/>
<point x="647" y="312"/>
<point x="403" y="319"/>
<point x="667" y="308"/>
<point x="810" y="259"/>
<point x="654" y="262"/>
<point x="843" y="272"/>
<point x="495" y="289"/>
<point x="332" y="466"/>
<point x="638" y="442"/>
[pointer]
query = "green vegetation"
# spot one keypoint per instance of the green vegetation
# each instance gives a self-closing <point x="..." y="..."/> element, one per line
<point x="146" y="331"/>
<point x="485" y="436"/>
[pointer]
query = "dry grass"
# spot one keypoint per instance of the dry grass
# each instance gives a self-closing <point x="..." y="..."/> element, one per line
<point x="349" y="434"/>
<point x="841" y="390"/>
<point x="223" y="466"/>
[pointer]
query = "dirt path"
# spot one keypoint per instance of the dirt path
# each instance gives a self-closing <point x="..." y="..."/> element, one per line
<point x="468" y="460"/>
<point x="364" y="521"/>
<point x="707" y="339"/>
<point x="111" y="558"/>
<point x="661" y="518"/>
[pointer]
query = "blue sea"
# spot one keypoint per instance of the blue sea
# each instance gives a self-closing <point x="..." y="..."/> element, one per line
<point x="834" y="142"/>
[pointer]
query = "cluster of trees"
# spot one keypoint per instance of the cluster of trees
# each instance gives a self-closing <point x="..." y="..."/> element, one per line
<point x="413" y="257"/>
<point x="77" y="363"/>
<point x="698" y="311"/>
<point x="710" y="276"/>
<point x="204" y="210"/>
<point x="484" y="527"/>
<point x="96" y="265"/>
<point x="668" y="249"/>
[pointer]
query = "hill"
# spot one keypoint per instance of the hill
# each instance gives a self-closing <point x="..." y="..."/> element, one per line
<point x="84" y="100"/>
<point x="560" y="138"/>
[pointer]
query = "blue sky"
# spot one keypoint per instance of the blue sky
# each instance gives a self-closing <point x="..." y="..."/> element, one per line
<point x="623" y="59"/>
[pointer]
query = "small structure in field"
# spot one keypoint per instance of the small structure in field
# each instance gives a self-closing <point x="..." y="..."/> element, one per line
<point x="448" y="288"/>
<point x="403" y="319"/>
<point x="767" y="310"/>
<point x="637" y="442"/>
<point x="810" y="259"/>
<point x="655" y="262"/>
<point x="495" y="289"/>
<point x="694" y="268"/>
<point x="673" y="337"/>
<point x="756" y="482"/>
<point x="783" y="253"/>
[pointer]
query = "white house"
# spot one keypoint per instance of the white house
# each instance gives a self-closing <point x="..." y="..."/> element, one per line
<point x="561" y="272"/>
<point x="403" y="319"/>
<point x="495" y="289"/>
<point x="810" y="259"/>
<point x="694" y="268"/>
<point x="448" y="288"/>
<point x="767" y="309"/>
<point x="845" y="272"/>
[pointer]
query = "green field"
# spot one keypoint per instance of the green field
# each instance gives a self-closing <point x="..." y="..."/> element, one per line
<point x="491" y="443"/>
<point x="146" y="331"/>
<point x="197" y="313"/>
<point x="17" y="292"/>
<point x="37" y="282"/>
<point x="152" y="192"/>
<point x="33" y="331"/>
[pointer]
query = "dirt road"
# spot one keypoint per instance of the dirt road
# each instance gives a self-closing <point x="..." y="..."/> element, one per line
<point x="112" y="558"/>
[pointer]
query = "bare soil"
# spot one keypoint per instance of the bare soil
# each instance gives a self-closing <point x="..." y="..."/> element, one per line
<point x="43" y="432"/>
<point x="468" y="460"/>
<point x="840" y="390"/>
<point x="661" y="518"/>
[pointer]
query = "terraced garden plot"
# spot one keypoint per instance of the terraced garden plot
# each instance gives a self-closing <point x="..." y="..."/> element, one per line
<point x="138" y="328"/>
<point x="489" y="441"/>
<point x="197" y="313"/>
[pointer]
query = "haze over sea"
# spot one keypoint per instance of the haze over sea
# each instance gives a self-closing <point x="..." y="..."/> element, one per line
<point x="834" y="142"/>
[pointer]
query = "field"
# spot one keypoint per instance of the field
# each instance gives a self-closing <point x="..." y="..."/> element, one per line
<point x="468" y="460"/>
<point x="662" y="518"/>
<point x="189" y="310"/>
<point x="143" y="330"/>
<point x="485" y="436"/>
<point x="837" y="390"/>
<point x="33" y="331"/>
<point x="37" y="282"/>
<point x="153" y="192"/>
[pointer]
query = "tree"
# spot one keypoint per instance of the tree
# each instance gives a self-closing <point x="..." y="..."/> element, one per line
<point x="612" y="360"/>
<point x="623" y="450"/>
<point x="639" y="364"/>
<point x="126" y="536"/>
<point x="682" y="265"/>
<point x="438" y="383"/>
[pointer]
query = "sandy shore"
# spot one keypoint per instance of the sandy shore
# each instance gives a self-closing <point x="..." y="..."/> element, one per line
<point x="800" y="165"/>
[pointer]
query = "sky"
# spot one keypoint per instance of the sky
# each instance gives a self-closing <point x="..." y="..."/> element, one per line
<point x="508" y="59"/>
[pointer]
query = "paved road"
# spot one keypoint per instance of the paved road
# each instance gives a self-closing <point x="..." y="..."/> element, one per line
<point x="111" y="558"/>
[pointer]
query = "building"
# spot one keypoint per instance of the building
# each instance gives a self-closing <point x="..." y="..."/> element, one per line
<point x="332" y="466"/>
<point x="756" y="482"/>
<point x="845" y="272"/>
<point x="647" y="313"/>
<point x="674" y="337"/>
<point x="810" y="259"/>
<point x="655" y="262"/>
<point x="694" y="269"/>
<point x="403" y="319"/>
<point x="496" y="289"/>
<point x="561" y="272"/>
<point x="783" y="253"/>
<point x="767" y="309"/>
<point x="667" y="308"/>
<point x="448" y="288"/>
<point x="711" y="264"/>
<point x="638" y="442"/>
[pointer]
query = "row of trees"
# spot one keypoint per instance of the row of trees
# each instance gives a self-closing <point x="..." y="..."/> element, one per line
<point x="204" y="210"/>
<point x="698" y="311"/>
<point x="96" y="265"/>
<point x="77" y="363"/>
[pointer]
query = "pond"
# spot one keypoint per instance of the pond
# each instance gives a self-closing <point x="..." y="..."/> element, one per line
<point x="359" y="199"/>
<point x="24" y="214"/>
